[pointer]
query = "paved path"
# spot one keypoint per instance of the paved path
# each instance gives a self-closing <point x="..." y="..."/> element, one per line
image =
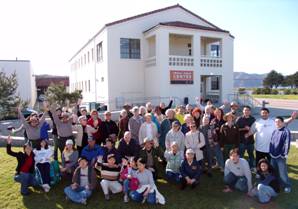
<point x="280" y="103"/>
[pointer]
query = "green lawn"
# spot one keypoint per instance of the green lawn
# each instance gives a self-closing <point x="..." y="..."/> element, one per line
<point x="271" y="96"/>
<point x="207" y="196"/>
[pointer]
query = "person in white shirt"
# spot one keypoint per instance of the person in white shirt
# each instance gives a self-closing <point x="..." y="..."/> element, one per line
<point x="263" y="129"/>
<point x="42" y="157"/>
<point x="148" y="130"/>
<point x="237" y="173"/>
<point x="195" y="140"/>
<point x="175" y="135"/>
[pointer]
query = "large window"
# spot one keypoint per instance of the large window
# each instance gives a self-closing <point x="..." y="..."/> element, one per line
<point x="99" y="52"/>
<point x="214" y="83"/>
<point x="215" y="50"/>
<point x="130" y="48"/>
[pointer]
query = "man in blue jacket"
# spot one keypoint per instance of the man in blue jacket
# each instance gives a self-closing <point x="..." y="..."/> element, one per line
<point x="92" y="151"/>
<point x="279" y="150"/>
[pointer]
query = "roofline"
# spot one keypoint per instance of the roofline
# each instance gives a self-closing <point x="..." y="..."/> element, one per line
<point x="190" y="27"/>
<point x="14" y="60"/>
<point x="142" y="15"/>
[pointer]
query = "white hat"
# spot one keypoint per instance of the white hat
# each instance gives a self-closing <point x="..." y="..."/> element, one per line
<point x="69" y="141"/>
<point x="190" y="151"/>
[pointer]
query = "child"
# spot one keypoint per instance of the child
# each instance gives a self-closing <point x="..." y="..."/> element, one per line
<point x="83" y="182"/>
<point x="110" y="175"/>
<point x="43" y="155"/>
<point x="127" y="175"/>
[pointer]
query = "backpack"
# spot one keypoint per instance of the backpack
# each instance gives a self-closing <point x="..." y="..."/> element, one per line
<point x="55" y="172"/>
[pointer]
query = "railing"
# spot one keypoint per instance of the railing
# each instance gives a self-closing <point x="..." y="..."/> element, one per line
<point x="211" y="61"/>
<point x="244" y="99"/>
<point x="151" y="61"/>
<point x="181" y="60"/>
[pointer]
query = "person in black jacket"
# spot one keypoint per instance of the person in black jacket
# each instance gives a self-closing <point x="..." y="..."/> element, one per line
<point x="108" y="128"/>
<point x="267" y="182"/>
<point x="25" y="168"/>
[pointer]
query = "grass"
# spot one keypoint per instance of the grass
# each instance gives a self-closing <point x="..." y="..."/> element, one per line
<point x="207" y="196"/>
<point x="272" y="96"/>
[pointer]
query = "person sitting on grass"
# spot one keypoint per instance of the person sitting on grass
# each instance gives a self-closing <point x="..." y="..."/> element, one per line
<point x="190" y="170"/>
<point x="267" y="182"/>
<point x="110" y="175"/>
<point x="42" y="157"/>
<point x="25" y="168"/>
<point x="237" y="174"/>
<point x="69" y="158"/>
<point x="83" y="182"/>
<point x="147" y="191"/>
<point x="128" y="176"/>
<point x="174" y="158"/>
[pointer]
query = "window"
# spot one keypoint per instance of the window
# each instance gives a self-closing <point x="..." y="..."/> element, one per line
<point x="89" y="85"/>
<point x="99" y="52"/>
<point x="88" y="57"/>
<point x="92" y="54"/>
<point x="214" y="83"/>
<point x="215" y="51"/>
<point x="130" y="48"/>
<point x="85" y="59"/>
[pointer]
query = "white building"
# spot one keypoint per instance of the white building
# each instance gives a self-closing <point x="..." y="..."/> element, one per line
<point x="169" y="52"/>
<point x="25" y="78"/>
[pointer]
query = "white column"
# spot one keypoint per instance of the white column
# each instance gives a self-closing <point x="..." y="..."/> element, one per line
<point x="196" y="47"/>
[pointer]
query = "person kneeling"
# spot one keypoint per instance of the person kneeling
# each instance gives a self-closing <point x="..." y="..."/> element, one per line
<point x="83" y="182"/>
<point x="237" y="173"/>
<point x="110" y="175"/>
<point x="174" y="159"/>
<point x="25" y="168"/>
<point x="190" y="170"/>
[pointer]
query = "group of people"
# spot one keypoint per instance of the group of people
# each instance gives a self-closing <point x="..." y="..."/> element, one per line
<point x="148" y="143"/>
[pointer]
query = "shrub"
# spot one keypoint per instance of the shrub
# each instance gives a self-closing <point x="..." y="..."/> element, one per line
<point x="266" y="90"/>
<point x="274" y="91"/>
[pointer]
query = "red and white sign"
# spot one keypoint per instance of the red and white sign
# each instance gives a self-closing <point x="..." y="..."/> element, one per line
<point x="181" y="76"/>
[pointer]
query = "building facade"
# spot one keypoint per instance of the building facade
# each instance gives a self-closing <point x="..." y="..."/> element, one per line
<point x="25" y="78"/>
<point x="166" y="53"/>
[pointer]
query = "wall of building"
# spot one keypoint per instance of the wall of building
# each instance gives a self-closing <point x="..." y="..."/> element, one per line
<point x="25" y="78"/>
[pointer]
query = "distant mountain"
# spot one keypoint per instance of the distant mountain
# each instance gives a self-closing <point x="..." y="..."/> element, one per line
<point x="247" y="80"/>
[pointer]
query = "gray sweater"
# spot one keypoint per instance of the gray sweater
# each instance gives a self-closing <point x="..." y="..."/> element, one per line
<point x="145" y="178"/>
<point x="33" y="133"/>
<point x="64" y="129"/>
<point x="134" y="125"/>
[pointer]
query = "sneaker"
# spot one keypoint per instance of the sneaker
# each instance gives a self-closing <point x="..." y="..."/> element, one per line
<point x="84" y="201"/>
<point x="125" y="199"/>
<point x="287" y="190"/>
<point x="144" y="199"/>
<point x="107" y="197"/>
<point x="46" y="187"/>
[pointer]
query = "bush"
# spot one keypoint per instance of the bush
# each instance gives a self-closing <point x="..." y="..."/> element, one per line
<point x="287" y="91"/>
<point x="241" y="90"/>
<point x="257" y="91"/>
<point x="274" y="91"/>
<point x="266" y="90"/>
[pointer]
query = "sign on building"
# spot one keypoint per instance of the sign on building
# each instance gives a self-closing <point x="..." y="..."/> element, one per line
<point x="181" y="77"/>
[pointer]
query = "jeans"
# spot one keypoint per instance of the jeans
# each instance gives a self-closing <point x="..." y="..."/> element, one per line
<point x="173" y="177"/>
<point x="26" y="180"/>
<point x="44" y="169"/>
<point x="260" y="155"/>
<point x="218" y="154"/>
<point x="250" y="151"/>
<point x="208" y="157"/>
<point x="126" y="186"/>
<point x="138" y="197"/>
<point x="237" y="182"/>
<point x="264" y="193"/>
<point x="55" y="137"/>
<point x="280" y="166"/>
<point x="78" y="195"/>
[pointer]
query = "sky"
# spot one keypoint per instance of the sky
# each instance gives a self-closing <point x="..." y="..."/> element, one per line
<point x="50" y="32"/>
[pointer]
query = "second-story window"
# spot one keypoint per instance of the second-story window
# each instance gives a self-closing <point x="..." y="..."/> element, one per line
<point x="130" y="48"/>
<point x="215" y="50"/>
<point x="99" y="54"/>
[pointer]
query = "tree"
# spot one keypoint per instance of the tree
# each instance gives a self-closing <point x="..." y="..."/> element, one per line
<point x="56" y="93"/>
<point x="8" y="98"/>
<point x="273" y="79"/>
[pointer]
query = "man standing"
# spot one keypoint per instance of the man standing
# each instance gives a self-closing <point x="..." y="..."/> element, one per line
<point x="246" y="144"/>
<point x="279" y="150"/>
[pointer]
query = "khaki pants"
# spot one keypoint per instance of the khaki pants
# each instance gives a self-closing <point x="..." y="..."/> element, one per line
<point x="113" y="186"/>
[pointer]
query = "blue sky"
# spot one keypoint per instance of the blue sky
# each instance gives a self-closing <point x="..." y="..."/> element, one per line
<point x="49" y="32"/>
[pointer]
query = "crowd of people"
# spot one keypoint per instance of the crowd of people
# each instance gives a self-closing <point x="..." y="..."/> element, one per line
<point x="180" y="144"/>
